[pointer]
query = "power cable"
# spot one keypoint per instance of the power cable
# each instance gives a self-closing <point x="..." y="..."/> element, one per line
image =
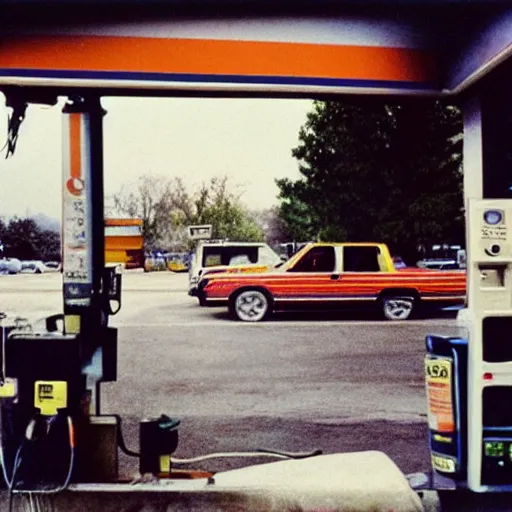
<point x="39" y="493"/>
<point x="257" y="453"/>
<point x="120" y="439"/>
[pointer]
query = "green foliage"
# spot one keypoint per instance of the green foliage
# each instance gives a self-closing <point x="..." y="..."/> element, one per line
<point x="374" y="171"/>
<point x="3" y="231"/>
<point x="167" y="208"/>
<point x="216" y="205"/>
<point x="25" y="240"/>
<point x="270" y="222"/>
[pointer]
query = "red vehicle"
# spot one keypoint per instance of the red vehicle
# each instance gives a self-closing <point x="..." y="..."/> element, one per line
<point x="328" y="276"/>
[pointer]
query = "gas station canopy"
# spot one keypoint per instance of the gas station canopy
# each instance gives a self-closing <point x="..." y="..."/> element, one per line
<point x="412" y="48"/>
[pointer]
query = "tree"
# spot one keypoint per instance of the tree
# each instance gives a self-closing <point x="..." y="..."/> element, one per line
<point x="48" y="245"/>
<point x="271" y="223"/>
<point x="3" y="231"/>
<point x="215" y="204"/>
<point x="147" y="199"/>
<point x="21" y="239"/>
<point x="167" y="207"/>
<point x="377" y="171"/>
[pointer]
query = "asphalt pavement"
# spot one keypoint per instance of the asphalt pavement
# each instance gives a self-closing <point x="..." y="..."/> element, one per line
<point x="338" y="382"/>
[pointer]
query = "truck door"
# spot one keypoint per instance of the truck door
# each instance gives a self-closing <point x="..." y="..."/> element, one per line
<point x="360" y="273"/>
<point x="317" y="266"/>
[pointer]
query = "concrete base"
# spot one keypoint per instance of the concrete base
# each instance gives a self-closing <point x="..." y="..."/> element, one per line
<point x="339" y="482"/>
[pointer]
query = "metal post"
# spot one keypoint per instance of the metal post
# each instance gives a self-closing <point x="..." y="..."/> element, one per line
<point x="473" y="179"/>
<point x="83" y="246"/>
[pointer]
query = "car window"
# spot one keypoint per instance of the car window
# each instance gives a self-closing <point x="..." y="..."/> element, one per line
<point x="239" y="259"/>
<point x="267" y="256"/>
<point x="317" y="259"/>
<point x="212" y="260"/>
<point x="229" y="255"/>
<point x="361" y="259"/>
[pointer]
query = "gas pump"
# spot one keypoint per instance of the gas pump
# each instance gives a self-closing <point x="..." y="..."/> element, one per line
<point x="52" y="429"/>
<point x="490" y="431"/>
<point x="51" y="377"/>
<point x="469" y="379"/>
<point x="469" y="384"/>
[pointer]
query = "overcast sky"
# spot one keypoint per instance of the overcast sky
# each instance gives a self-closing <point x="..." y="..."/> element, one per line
<point x="250" y="140"/>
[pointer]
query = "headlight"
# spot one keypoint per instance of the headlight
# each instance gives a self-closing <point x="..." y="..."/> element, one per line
<point x="203" y="283"/>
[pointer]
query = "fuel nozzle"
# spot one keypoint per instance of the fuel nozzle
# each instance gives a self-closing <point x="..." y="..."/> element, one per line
<point x="158" y="441"/>
<point x="111" y="289"/>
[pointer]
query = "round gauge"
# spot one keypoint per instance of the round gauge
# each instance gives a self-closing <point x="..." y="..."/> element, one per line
<point x="493" y="217"/>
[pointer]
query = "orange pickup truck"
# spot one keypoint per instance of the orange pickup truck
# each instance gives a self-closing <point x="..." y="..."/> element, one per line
<point x="334" y="275"/>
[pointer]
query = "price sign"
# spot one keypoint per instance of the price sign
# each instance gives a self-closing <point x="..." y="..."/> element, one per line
<point x="438" y="374"/>
<point x="493" y="232"/>
<point x="76" y="233"/>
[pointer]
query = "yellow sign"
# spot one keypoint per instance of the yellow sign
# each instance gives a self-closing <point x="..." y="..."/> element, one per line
<point x="72" y="324"/>
<point x="443" y="463"/>
<point x="438" y="374"/>
<point x="165" y="464"/>
<point x="442" y="439"/>
<point x="49" y="396"/>
<point x="8" y="388"/>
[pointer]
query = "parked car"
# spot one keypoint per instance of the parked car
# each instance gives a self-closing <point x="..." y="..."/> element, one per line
<point x="399" y="263"/>
<point x="439" y="264"/>
<point x="177" y="261"/>
<point x="155" y="263"/>
<point x="10" y="266"/>
<point x="221" y="256"/>
<point x="335" y="275"/>
<point x="32" y="267"/>
<point x="52" y="266"/>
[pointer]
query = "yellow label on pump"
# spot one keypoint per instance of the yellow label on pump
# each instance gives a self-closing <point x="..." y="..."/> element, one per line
<point x="8" y="388"/>
<point x="49" y="396"/>
<point x="72" y="324"/>
<point x="165" y="463"/>
<point x="442" y="439"/>
<point x="441" y="414"/>
<point x="443" y="463"/>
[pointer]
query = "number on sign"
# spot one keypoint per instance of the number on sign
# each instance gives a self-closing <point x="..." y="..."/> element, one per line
<point x="438" y="371"/>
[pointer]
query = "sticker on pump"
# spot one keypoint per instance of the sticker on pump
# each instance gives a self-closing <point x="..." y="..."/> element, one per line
<point x="444" y="463"/>
<point x="9" y="388"/>
<point x="438" y="374"/>
<point x="50" y="396"/>
<point x="494" y="233"/>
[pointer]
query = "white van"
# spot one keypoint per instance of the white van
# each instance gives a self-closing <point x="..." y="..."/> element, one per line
<point x="218" y="256"/>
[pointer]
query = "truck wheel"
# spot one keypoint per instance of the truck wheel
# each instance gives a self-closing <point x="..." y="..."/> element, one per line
<point x="397" y="308"/>
<point x="250" y="306"/>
